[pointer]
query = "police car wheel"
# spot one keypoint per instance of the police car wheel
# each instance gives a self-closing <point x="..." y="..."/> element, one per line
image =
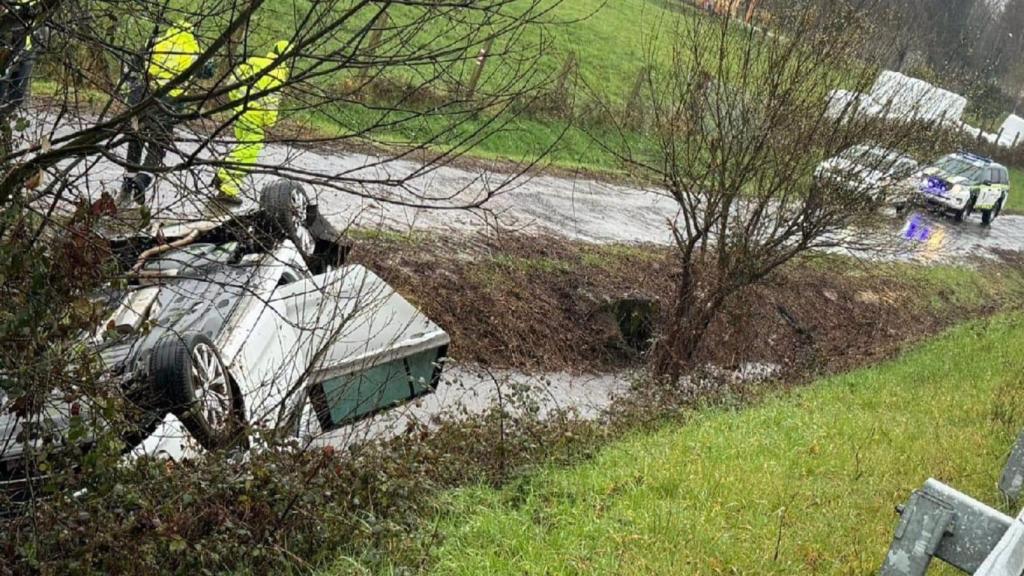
<point x="989" y="215"/>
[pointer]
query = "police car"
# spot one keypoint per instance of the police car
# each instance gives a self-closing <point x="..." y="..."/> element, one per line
<point x="963" y="183"/>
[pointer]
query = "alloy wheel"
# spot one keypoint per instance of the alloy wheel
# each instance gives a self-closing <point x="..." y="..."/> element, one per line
<point x="210" y="380"/>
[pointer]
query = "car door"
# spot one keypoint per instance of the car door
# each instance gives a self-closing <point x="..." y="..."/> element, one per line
<point x="990" y="190"/>
<point x="344" y="340"/>
<point x="388" y="353"/>
<point x="373" y="349"/>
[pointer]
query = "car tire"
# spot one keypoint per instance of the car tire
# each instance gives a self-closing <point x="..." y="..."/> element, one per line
<point x="988" y="216"/>
<point x="188" y="372"/>
<point x="290" y="213"/>
<point x="966" y="211"/>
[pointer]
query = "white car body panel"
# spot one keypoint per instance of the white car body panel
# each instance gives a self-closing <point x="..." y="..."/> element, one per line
<point x="169" y="440"/>
<point x="987" y="198"/>
<point x="286" y="338"/>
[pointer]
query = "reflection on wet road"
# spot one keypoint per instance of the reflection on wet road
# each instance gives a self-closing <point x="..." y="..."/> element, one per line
<point x="939" y="237"/>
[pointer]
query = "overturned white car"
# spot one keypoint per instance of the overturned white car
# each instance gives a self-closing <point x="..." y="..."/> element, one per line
<point x="217" y="345"/>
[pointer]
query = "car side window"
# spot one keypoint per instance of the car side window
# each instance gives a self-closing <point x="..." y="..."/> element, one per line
<point x="1004" y="178"/>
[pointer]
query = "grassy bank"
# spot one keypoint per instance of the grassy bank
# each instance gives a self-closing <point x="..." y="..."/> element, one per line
<point x="1016" y="203"/>
<point x="803" y="483"/>
<point x="546" y="303"/>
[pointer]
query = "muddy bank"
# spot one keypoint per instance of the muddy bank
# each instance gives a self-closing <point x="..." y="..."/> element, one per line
<point x="550" y="304"/>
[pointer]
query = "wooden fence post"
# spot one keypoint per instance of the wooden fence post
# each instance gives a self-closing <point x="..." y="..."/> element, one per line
<point x="751" y="8"/>
<point x="481" y="59"/>
<point x="560" y="101"/>
<point x="634" y="105"/>
<point x="568" y="68"/>
<point x="373" y="42"/>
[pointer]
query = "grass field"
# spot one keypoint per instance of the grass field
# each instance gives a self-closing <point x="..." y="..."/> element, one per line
<point x="606" y="40"/>
<point x="610" y="44"/>
<point x="1016" y="202"/>
<point x="804" y="483"/>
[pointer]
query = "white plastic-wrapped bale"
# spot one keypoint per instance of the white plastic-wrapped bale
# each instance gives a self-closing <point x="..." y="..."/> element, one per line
<point x="906" y="98"/>
<point x="845" y="105"/>
<point x="975" y="132"/>
<point x="1012" y="131"/>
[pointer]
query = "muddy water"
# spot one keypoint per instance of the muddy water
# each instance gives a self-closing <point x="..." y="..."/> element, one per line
<point x="472" y="390"/>
<point x="468" y="390"/>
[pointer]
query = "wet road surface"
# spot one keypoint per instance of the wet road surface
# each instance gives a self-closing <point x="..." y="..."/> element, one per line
<point x="578" y="209"/>
<point x="349" y="187"/>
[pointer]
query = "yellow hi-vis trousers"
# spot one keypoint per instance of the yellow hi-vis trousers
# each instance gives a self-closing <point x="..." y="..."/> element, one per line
<point x="250" y="133"/>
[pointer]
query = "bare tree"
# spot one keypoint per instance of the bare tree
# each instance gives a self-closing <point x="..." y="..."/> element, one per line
<point x="739" y="125"/>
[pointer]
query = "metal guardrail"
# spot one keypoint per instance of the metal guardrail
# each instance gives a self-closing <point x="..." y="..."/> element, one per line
<point x="1012" y="479"/>
<point x="940" y="522"/>
<point x="1007" y="559"/>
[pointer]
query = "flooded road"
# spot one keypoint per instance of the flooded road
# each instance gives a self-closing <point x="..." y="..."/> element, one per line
<point x="578" y="209"/>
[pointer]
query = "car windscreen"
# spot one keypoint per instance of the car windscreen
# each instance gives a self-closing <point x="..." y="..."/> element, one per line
<point x="956" y="166"/>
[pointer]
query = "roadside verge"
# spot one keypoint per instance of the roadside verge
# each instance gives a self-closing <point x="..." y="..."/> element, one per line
<point x="804" y="482"/>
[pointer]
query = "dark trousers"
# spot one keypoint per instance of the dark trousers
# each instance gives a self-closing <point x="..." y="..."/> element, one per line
<point x="17" y="73"/>
<point x="155" y="136"/>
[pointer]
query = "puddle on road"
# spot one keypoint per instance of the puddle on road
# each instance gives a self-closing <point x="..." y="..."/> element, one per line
<point x="941" y="238"/>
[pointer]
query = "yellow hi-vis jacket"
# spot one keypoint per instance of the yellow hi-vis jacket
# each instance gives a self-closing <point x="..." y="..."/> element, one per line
<point x="172" y="54"/>
<point x="255" y="104"/>
<point x="27" y="5"/>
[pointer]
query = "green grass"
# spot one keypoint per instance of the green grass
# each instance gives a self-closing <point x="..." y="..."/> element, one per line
<point x="606" y="40"/>
<point x="939" y="287"/>
<point x="803" y="483"/>
<point x="1016" y="202"/>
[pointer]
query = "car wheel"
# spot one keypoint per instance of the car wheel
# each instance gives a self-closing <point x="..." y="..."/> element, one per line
<point x="189" y="373"/>
<point x="958" y="215"/>
<point x="988" y="216"/>
<point x="288" y="209"/>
